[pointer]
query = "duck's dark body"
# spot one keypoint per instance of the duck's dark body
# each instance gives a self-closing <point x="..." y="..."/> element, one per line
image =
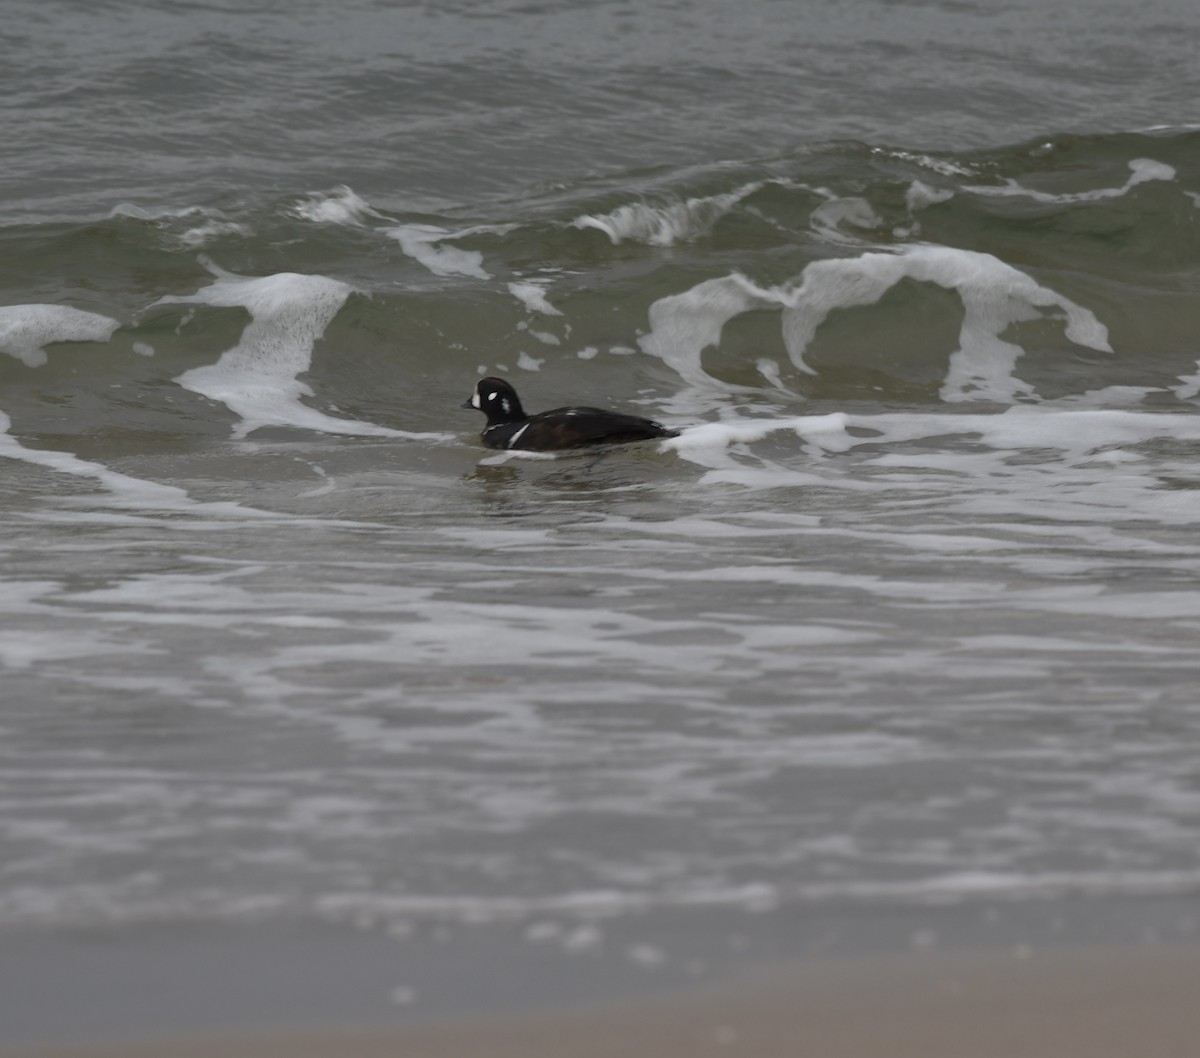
<point x="509" y="427"/>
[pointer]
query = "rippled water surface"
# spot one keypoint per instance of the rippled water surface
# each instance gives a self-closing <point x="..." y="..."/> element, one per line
<point x="909" y="609"/>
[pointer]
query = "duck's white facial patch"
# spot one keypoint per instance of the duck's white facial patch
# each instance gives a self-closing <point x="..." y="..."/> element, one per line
<point x="493" y="396"/>
<point x="475" y="400"/>
<point x="505" y="405"/>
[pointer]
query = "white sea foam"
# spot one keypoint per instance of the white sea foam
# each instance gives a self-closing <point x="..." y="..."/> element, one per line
<point x="426" y="243"/>
<point x="500" y="458"/>
<point x="479" y="734"/>
<point x="212" y="223"/>
<point x="25" y="642"/>
<point x="26" y="329"/>
<point x="830" y="218"/>
<point x="532" y="294"/>
<point x="921" y="196"/>
<point x="1142" y="170"/>
<point x="257" y="378"/>
<point x="994" y="296"/>
<point x="1021" y="427"/>
<point x="339" y="206"/>
<point x="666" y="223"/>
<point x="723" y="434"/>
<point x="204" y="233"/>
<point x="125" y="491"/>
<point x="129" y="209"/>
<point x="136" y="212"/>
<point x="683" y="325"/>
<point x="943" y="166"/>
<point x="86" y="903"/>
<point x="1098" y="475"/>
<point x="1189" y="385"/>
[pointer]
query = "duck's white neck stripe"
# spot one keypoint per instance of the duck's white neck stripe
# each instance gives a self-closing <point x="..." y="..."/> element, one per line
<point x="517" y="436"/>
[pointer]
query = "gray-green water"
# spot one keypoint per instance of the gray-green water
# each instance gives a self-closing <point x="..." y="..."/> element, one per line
<point x="909" y="611"/>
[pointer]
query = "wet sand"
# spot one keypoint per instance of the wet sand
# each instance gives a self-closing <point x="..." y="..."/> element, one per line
<point x="1140" y="1001"/>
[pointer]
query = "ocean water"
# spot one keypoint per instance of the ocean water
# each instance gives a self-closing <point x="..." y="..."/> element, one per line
<point x="909" y="611"/>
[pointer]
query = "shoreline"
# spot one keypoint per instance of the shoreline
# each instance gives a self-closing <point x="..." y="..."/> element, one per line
<point x="1099" y="1002"/>
<point x="299" y="987"/>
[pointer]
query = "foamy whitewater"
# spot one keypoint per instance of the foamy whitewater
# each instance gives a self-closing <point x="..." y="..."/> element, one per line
<point x="907" y="612"/>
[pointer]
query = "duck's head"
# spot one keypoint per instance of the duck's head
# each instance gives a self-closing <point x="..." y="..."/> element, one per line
<point x="497" y="400"/>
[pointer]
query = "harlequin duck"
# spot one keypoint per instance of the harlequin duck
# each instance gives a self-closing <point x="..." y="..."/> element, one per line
<point x="509" y="427"/>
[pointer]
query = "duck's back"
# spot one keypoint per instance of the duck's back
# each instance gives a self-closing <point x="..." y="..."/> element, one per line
<point x="573" y="428"/>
